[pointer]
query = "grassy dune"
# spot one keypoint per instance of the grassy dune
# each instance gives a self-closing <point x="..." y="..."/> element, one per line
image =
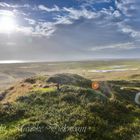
<point x="30" y="110"/>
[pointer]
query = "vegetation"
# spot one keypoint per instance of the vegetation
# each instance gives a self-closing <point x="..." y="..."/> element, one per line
<point x="75" y="112"/>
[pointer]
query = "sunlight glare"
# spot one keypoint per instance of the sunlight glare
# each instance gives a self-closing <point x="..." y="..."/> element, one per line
<point x="7" y="24"/>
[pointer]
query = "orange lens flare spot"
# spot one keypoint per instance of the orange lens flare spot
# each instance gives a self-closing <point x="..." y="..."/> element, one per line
<point x="95" y="85"/>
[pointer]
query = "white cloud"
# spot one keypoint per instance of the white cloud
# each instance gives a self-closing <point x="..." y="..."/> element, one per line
<point x="125" y="5"/>
<point x="31" y="21"/>
<point x="62" y="20"/>
<point x="45" y="8"/>
<point x="3" y="4"/>
<point x="71" y="14"/>
<point x="41" y="29"/>
<point x="116" y="14"/>
<point x="48" y="28"/>
<point x="128" y="30"/>
<point x="6" y="13"/>
<point x="21" y="13"/>
<point x="119" y="46"/>
<point x="90" y="2"/>
<point x="25" y="30"/>
<point x="76" y="14"/>
<point x="44" y="29"/>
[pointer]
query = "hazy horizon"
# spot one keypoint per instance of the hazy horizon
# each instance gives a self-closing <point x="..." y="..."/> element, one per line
<point x="45" y="61"/>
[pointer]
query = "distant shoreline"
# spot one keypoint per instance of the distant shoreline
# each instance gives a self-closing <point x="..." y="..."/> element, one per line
<point x="84" y="60"/>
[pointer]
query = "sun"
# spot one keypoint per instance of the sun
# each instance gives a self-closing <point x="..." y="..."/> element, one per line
<point x="7" y="24"/>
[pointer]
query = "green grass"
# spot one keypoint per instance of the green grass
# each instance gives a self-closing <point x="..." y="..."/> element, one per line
<point x="12" y="129"/>
<point x="51" y="89"/>
<point x="105" y="118"/>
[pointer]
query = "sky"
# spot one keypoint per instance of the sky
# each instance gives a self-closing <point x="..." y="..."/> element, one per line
<point x="61" y="30"/>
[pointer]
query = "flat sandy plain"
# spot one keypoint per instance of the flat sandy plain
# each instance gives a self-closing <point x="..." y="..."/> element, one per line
<point x="99" y="70"/>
